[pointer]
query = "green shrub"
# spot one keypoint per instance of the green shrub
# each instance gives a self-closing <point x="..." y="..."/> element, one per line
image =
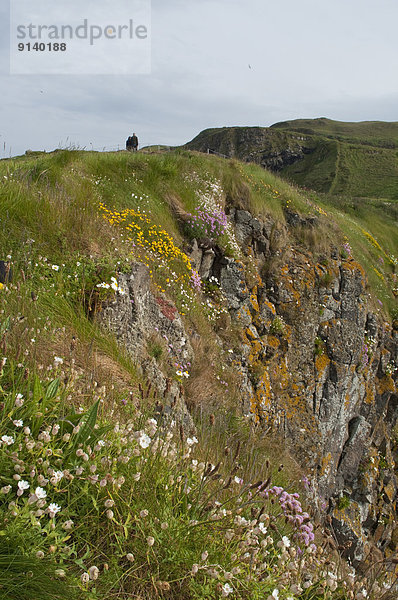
<point x="343" y="502"/>
<point x="278" y="326"/>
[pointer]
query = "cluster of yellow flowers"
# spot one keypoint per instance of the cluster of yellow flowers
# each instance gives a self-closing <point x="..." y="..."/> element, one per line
<point x="147" y="235"/>
<point x="160" y="253"/>
<point x="372" y="240"/>
<point x="257" y="184"/>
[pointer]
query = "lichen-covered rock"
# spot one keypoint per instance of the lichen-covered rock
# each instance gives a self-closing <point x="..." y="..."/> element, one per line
<point x="315" y="364"/>
<point x="139" y="315"/>
<point x="233" y="283"/>
<point x="322" y="375"/>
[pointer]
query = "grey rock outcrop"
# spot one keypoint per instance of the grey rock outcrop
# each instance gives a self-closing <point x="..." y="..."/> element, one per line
<point x="316" y="364"/>
<point x="137" y="316"/>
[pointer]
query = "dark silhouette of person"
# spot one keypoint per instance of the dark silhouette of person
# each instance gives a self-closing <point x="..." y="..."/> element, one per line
<point x="134" y="142"/>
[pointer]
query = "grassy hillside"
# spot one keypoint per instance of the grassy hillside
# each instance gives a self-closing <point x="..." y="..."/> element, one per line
<point x="100" y="496"/>
<point x="354" y="159"/>
<point x="375" y="133"/>
<point x="354" y="170"/>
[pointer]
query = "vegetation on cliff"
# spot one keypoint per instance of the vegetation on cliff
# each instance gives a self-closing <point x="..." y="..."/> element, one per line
<point x="103" y="492"/>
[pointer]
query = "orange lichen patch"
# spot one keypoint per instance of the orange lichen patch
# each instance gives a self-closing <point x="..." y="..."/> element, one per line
<point x="261" y="403"/>
<point x="285" y="270"/>
<point x="347" y="401"/>
<point x="270" y="306"/>
<point x="369" y="394"/>
<point x="322" y="361"/>
<point x="259" y="280"/>
<point x="353" y="265"/>
<point x="326" y="465"/>
<point x="254" y="301"/>
<point x="273" y="341"/>
<point x="320" y="271"/>
<point x="256" y="347"/>
<point x="254" y="409"/>
<point x="386" y="384"/>
<point x="352" y="516"/>
<point x="288" y="332"/>
<point x="250" y="334"/>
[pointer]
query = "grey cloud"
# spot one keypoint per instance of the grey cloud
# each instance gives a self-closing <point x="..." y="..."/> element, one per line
<point x="307" y="59"/>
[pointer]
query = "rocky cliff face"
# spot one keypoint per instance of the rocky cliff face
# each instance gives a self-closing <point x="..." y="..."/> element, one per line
<point x="269" y="148"/>
<point x="315" y="364"/>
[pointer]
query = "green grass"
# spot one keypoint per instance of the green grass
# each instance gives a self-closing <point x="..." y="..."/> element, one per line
<point x="369" y="132"/>
<point x="61" y="250"/>
<point x="140" y="509"/>
<point x="353" y="159"/>
<point x="66" y="186"/>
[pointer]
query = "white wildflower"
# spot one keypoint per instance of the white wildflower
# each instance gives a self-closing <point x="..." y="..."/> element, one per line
<point x="53" y="509"/>
<point x="262" y="528"/>
<point x="192" y="441"/>
<point x="226" y="590"/>
<point x="60" y="573"/>
<point x="7" y="440"/>
<point x="56" y="478"/>
<point x="284" y="542"/>
<point x="144" y="440"/>
<point x="23" y="485"/>
<point x="19" y="400"/>
<point x="40" y="493"/>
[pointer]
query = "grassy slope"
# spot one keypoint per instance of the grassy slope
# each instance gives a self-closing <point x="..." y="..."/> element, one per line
<point x="61" y="248"/>
<point x="356" y="159"/>
<point x="372" y="132"/>
<point x="44" y="184"/>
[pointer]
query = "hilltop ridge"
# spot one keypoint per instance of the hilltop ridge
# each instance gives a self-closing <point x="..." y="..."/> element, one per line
<point x="349" y="159"/>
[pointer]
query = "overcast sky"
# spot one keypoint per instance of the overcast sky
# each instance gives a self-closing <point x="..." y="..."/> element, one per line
<point x="215" y="63"/>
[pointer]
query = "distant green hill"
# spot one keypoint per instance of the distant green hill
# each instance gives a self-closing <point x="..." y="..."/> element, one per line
<point x="353" y="159"/>
<point x="376" y="133"/>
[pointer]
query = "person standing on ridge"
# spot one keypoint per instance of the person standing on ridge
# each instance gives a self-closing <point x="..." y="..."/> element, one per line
<point x="134" y="143"/>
